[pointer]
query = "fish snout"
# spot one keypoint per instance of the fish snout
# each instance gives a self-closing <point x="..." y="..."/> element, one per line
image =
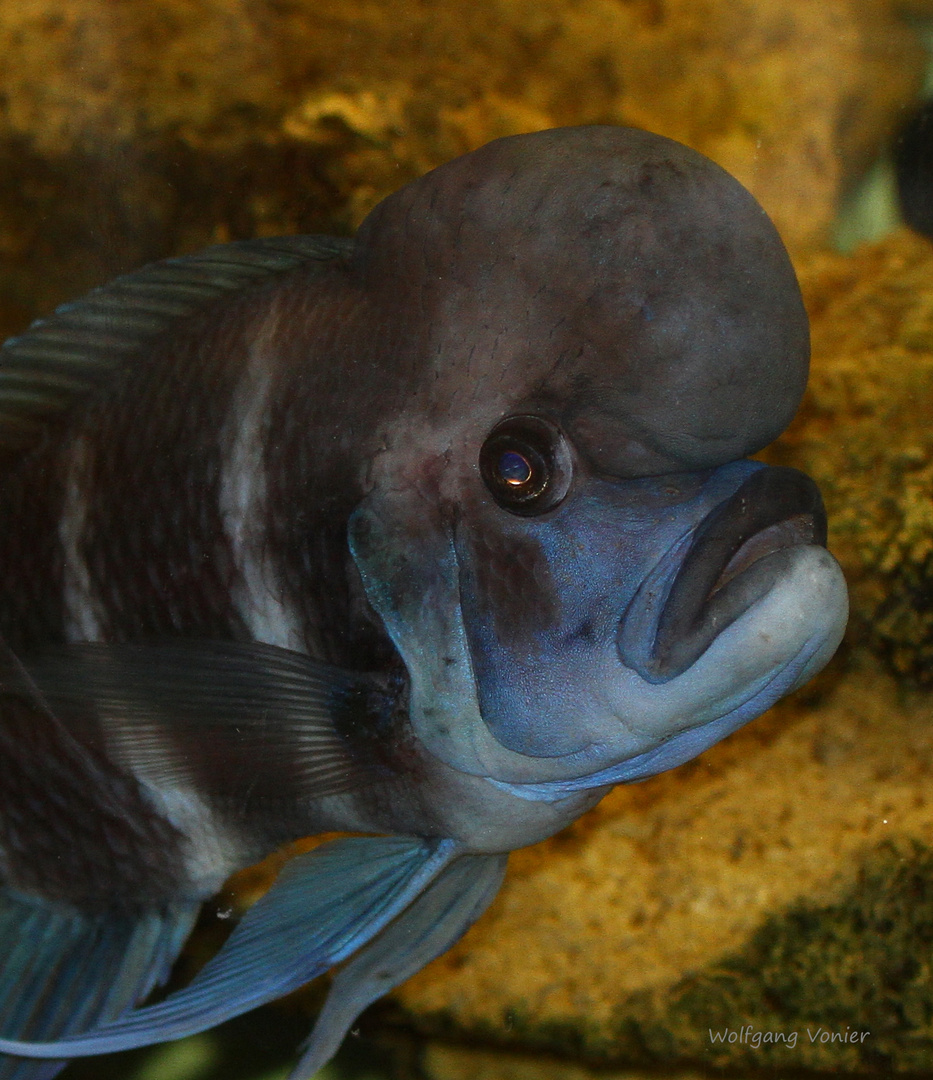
<point x="735" y="557"/>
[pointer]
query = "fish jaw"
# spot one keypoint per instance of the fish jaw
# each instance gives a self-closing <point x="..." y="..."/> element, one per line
<point x="565" y="696"/>
<point x="812" y="599"/>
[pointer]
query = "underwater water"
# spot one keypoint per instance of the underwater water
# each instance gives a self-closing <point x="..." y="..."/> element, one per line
<point x="257" y="1047"/>
<point x="775" y="883"/>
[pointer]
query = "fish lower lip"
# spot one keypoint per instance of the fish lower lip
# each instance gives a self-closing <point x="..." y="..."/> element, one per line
<point x="734" y="558"/>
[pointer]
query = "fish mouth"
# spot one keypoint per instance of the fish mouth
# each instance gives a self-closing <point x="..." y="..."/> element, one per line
<point x="733" y="558"/>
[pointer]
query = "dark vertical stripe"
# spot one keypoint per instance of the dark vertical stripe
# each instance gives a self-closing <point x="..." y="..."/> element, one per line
<point x="31" y="498"/>
<point x="324" y="414"/>
<point x="154" y="544"/>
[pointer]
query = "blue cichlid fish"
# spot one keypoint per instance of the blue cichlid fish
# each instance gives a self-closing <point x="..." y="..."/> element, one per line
<point x="434" y="536"/>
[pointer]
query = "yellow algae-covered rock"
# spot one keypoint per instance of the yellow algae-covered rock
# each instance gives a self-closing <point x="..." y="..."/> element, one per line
<point x="137" y="129"/>
<point x="780" y="884"/>
<point x="865" y="433"/>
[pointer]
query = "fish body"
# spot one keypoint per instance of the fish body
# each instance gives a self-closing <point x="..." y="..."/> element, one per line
<point x="434" y="535"/>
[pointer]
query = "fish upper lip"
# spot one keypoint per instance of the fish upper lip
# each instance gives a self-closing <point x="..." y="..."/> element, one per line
<point x="722" y="573"/>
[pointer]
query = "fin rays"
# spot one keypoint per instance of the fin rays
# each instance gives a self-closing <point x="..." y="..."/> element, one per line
<point x="324" y="906"/>
<point x="280" y="702"/>
<point x="61" y="358"/>
<point x="64" y="971"/>
<point x="429" y="927"/>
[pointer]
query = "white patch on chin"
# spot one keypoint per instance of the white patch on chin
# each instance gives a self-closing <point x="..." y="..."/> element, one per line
<point x="258" y="594"/>
<point x="83" y="615"/>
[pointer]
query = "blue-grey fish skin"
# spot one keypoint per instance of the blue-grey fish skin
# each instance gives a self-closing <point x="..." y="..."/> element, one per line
<point x="437" y="534"/>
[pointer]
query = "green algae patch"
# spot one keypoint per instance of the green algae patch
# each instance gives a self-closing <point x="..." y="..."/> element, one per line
<point x="845" y="986"/>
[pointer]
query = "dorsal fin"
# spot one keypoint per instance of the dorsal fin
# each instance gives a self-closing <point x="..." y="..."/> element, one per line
<point x="61" y="358"/>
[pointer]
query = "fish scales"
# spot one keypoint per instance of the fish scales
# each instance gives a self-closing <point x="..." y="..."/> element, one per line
<point x="74" y="829"/>
<point x="145" y="547"/>
<point x="432" y="536"/>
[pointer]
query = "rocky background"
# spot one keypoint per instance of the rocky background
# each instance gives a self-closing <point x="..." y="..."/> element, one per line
<point x="784" y="882"/>
<point x="134" y="129"/>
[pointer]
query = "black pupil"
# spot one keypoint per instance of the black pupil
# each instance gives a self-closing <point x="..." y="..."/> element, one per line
<point x="525" y="465"/>
<point x="514" y="468"/>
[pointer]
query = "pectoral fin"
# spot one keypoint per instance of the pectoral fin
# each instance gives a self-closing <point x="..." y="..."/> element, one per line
<point x="65" y="971"/>
<point x="251" y="710"/>
<point x="434" y="922"/>
<point x="323" y="907"/>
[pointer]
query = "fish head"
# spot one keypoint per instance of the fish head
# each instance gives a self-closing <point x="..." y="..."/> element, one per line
<point x="584" y="574"/>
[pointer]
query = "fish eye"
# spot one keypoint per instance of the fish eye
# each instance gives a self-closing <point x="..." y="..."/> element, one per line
<point x="525" y="463"/>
